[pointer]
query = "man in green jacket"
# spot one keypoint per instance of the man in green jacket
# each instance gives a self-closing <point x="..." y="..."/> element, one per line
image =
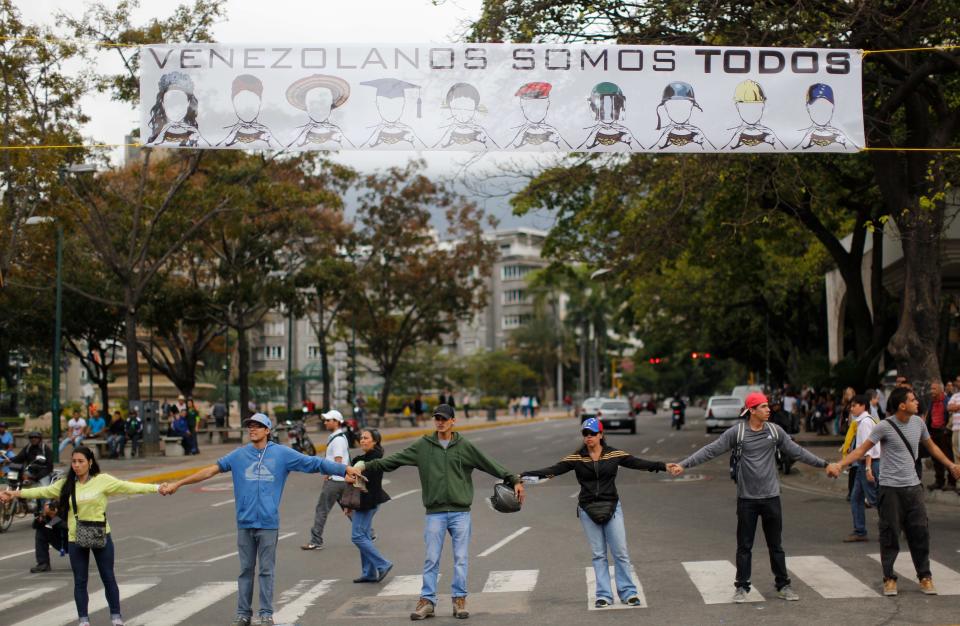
<point x="445" y="461"/>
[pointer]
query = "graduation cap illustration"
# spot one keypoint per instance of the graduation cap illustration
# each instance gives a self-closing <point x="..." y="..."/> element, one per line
<point x="394" y="88"/>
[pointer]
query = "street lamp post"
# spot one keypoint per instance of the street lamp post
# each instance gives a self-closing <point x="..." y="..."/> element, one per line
<point x="55" y="374"/>
<point x="226" y="377"/>
<point x="289" y="363"/>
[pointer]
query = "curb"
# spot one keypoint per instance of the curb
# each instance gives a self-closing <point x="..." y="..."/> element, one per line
<point x="161" y="477"/>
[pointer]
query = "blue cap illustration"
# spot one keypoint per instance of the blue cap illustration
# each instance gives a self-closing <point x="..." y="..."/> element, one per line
<point x="820" y="90"/>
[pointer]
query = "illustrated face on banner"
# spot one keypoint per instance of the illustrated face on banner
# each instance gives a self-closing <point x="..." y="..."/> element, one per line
<point x="750" y="112"/>
<point x="463" y="110"/>
<point x="319" y="104"/>
<point x="390" y="109"/>
<point x="535" y="109"/>
<point x="679" y="111"/>
<point x="246" y="105"/>
<point x="821" y="111"/>
<point x="608" y="109"/>
<point x="175" y="105"/>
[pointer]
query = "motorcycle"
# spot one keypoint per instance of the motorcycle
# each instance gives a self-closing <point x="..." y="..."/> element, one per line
<point x="299" y="439"/>
<point x="20" y="507"/>
<point x="677" y="417"/>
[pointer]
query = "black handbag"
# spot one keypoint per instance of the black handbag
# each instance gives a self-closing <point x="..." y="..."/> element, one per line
<point x="600" y="511"/>
<point x="89" y="534"/>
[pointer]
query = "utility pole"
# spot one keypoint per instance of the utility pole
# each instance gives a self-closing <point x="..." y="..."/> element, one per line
<point x="289" y="362"/>
<point x="55" y="404"/>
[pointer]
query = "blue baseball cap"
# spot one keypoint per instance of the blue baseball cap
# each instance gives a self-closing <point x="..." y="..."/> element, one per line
<point x="820" y="90"/>
<point x="259" y="418"/>
<point x="592" y="424"/>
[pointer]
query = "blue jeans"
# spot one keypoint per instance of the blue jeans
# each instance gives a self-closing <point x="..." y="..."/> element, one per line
<point x="76" y="442"/>
<point x="371" y="561"/>
<point x="256" y="544"/>
<point x="80" y="564"/>
<point x="863" y="488"/>
<point x="437" y="525"/>
<point x="613" y="536"/>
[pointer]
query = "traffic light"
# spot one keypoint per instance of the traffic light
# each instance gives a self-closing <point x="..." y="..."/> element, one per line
<point x="706" y="355"/>
<point x="655" y="360"/>
<point x="694" y="355"/>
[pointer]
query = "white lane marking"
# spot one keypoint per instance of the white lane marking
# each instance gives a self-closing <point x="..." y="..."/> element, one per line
<point x="234" y="553"/>
<point x="385" y="481"/>
<point x="660" y="440"/>
<point x="19" y="596"/>
<point x="827" y="578"/>
<point x="16" y="554"/>
<point x="693" y="445"/>
<point x="530" y="449"/>
<point x="617" y="604"/>
<point x="945" y="579"/>
<point x="67" y="613"/>
<point x="293" y="611"/>
<point x="645" y="450"/>
<point x="230" y="501"/>
<point x="404" y="586"/>
<point x="511" y="580"/>
<point x="475" y="439"/>
<point x="504" y="541"/>
<point x="405" y="493"/>
<point x="162" y="544"/>
<point x="713" y="580"/>
<point x="671" y="435"/>
<point x="186" y="604"/>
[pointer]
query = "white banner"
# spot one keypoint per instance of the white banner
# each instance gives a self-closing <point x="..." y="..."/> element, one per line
<point x="506" y="97"/>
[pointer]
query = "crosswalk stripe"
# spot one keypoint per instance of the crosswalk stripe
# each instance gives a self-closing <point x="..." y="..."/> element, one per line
<point x="945" y="579"/>
<point x="294" y="610"/>
<point x="827" y="578"/>
<point x="714" y="581"/>
<point x="404" y="586"/>
<point x="187" y="604"/>
<point x="511" y="580"/>
<point x="67" y="613"/>
<point x="592" y="590"/>
<point x="15" y="598"/>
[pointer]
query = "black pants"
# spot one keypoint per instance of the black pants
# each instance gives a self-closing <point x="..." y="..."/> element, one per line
<point x="43" y="539"/>
<point x="771" y="515"/>
<point x="944" y="440"/>
<point x="903" y="508"/>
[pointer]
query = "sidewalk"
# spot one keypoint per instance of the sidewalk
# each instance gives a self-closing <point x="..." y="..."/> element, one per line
<point x="156" y="469"/>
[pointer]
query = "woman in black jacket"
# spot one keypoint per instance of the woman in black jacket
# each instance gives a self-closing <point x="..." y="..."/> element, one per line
<point x="598" y="507"/>
<point x="374" y="567"/>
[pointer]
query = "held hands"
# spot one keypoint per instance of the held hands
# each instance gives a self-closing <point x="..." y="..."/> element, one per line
<point x="8" y="496"/>
<point x="675" y="469"/>
<point x="955" y="471"/>
<point x="833" y="470"/>
<point x="167" y="489"/>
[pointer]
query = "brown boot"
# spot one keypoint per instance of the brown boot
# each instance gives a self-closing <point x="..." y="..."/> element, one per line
<point x="423" y="611"/>
<point x="926" y="586"/>
<point x="460" y="608"/>
<point x="890" y="587"/>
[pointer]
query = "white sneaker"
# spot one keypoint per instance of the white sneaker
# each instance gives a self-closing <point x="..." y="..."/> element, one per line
<point x="740" y="595"/>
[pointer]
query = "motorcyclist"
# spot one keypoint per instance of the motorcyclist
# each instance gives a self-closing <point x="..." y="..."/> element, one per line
<point x="679" y="408"/>
<point x="51" y="530"/>
<point x="26" y="457"/>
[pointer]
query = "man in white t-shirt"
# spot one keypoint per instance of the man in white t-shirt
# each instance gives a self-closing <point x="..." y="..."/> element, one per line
<point x="868" y="470"/>
<point x="338" y="451"/>
<point x="76" y="428"/>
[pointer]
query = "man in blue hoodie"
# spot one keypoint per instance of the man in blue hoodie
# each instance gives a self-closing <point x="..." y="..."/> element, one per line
<point x="259" y="471"/>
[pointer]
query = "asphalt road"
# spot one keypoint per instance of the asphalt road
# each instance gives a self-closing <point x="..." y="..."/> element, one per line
<point x="177" y="563"/>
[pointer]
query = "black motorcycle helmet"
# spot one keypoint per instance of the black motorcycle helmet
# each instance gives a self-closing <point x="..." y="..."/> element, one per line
<point x="34" y="434"/>
<point x="504" y="499"/>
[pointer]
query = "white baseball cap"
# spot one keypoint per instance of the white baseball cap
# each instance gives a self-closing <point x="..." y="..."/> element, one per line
<point x="333" y="414"/>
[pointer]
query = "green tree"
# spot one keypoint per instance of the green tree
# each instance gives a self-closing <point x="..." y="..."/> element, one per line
<point x="498" y="373"/>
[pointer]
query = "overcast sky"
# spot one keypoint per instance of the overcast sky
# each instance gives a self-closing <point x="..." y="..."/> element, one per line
<point x="298" y="22"/>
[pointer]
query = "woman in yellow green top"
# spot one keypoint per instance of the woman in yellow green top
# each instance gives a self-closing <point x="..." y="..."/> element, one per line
<point x="91" y="489"/>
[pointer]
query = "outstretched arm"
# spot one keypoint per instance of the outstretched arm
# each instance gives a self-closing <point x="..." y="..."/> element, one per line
<point x="941" y="458"/>
<point x="722" y="444"/>
<point x="205" y="474"/>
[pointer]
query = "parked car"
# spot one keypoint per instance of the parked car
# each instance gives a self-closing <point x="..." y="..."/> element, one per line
<point x="589" y="407"/>
<point x="615" y="414"/>
<point x="665" y="405"/>
<point x="722" y="412"/>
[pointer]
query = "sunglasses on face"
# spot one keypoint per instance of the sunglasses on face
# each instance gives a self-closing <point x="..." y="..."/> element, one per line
<point x="588" y="433"/>
<point x="441" y="418"/>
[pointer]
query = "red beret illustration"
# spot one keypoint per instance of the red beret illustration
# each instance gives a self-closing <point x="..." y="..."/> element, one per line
<point x="535" y="90"/>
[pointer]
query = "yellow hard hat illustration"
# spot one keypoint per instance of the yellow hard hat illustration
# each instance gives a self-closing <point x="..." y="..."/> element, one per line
<point x="749" y="91"/>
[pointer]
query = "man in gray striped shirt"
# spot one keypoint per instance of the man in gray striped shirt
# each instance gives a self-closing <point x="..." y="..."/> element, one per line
<point x="901" y="493"/>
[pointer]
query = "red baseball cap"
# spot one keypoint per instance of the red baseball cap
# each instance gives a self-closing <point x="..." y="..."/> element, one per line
<point x="754" y="399"/>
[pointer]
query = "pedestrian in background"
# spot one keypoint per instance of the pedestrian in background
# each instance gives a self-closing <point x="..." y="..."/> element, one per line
<point x="595" y="465"/>
<point x="134" y="426"/>
<point x="83" y="497"/>
<point x="867" y="471"/>
<point x="116" y="436"/>
<point x="954" y="407"/>
<point x="374" y="567"/>
<point x="76" y="430"/>
<point x="445" y="461"/>
<point x="49" y="530"/>
<point x="939" y="428"/>
<point x="338" y="451"/>
<point x="901" y="501"/>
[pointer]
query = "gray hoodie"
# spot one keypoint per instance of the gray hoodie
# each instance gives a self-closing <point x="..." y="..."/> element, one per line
<point x="757" y="471"/>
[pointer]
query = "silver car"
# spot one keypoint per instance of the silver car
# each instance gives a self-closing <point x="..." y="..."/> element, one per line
<point x="722" y="412"/>
<point x="589" y="407"/>
<point x="615" y="414"/>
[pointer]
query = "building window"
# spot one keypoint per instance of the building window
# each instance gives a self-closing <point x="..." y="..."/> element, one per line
<point x="83" y="374"/>
<point x="272" y="353"/>
<point x="313" y="353"/>
<point x="514" y="272"/>
<point x="515" y="321"/>
<point x="514" y="296"/>
<point x="274" y="329"/>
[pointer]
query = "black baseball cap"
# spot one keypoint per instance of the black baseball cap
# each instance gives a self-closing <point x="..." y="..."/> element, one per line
<point x="444" y="410"/>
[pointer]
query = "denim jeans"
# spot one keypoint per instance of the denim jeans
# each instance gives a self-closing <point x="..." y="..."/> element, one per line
<point x="256" y="544"/>
<point x="863" y="489"/>
<point x="329" y="496"/>
<point x="75" y="441"/>
<point x="611" y="535"/>
<point x="437" y="526"/>
<point x="80" y="564"/>
<point x="904" y="508"/>
<point x="771" y="515"/>
<point x="371" y="561"/>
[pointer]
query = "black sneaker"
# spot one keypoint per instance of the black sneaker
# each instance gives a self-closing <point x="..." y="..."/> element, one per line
<point x="601" y="603"/>
<point x="240" y="620"/>
<point x="633" y="601"/>
<point x="40" y="567"/>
